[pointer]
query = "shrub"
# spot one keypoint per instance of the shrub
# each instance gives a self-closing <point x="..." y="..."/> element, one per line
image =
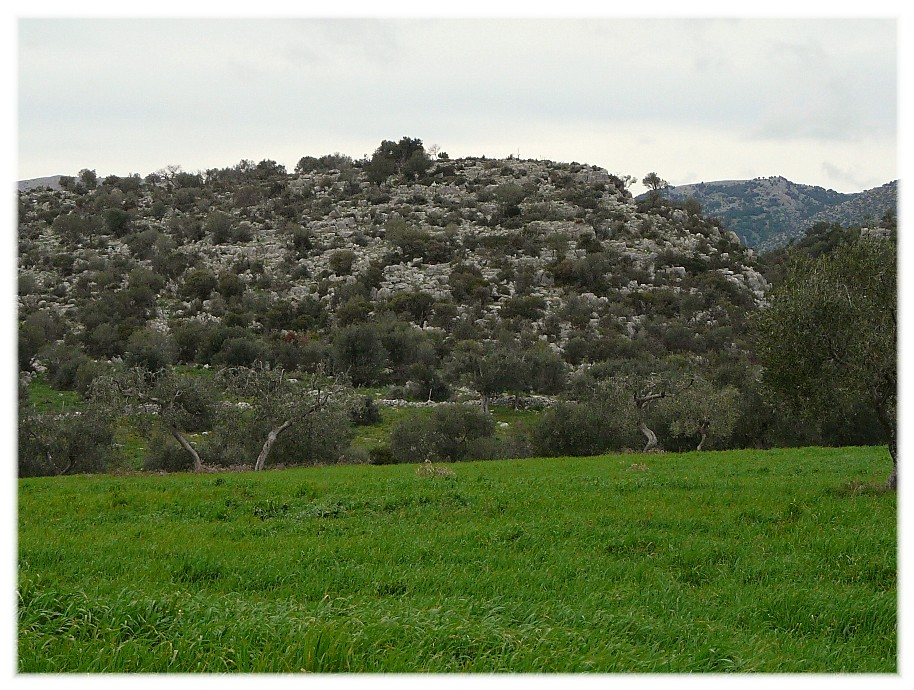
<point x="446" y="434"/>
<point x="165" y="454"/>
<point x="341" y="262"/>
<point x="198" y="284"/>
<point x="241" y="351"/>
<point x="365" y="412"/>
<point x="65" y="444"/>
<point x="62" y="362"/>
<point x="381" y="455"/>
<point x="585" y="428"/>
<point x="237" y="438"/>
<point x="151" y="349"/>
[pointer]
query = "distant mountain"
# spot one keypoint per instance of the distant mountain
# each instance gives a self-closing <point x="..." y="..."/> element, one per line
<point x="53" y="182"/>
<point x="768" y="212"/>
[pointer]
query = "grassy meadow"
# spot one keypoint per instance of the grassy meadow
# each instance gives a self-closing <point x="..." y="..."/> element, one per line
<point x="736" y="561"/>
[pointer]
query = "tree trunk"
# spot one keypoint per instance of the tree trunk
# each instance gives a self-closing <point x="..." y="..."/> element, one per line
<point x="649" y="435"/>
<point x="642" y="402"/>
<point x="702" y="441"/>
<point x="892" y="482"/>
<point x="179" y="437"/>
<point x="268" y="444"/>
<point x="485" y="403"/>
<point x="889" y="423"/>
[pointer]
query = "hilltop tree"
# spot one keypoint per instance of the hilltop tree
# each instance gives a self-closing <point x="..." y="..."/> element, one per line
<point x="828" y="336"/>
<point x="654" y="182"/>
<point x="656" y="185"/>
<point x="407" y="156"/>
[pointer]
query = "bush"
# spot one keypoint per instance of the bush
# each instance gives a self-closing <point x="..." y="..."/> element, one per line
<point x="241" y="351"/>
<point x="322" y="437"/>
<point x="219" y="226"/>
<point x="63" y="363"/>
<point x="584" y="428"/>
<point x="365" y="412"/>
<point x="65" y="444"/>
<point x="381" y="455"/>
<point x="341" y="261"/>
<point x="166" y="454"/>
<point x="445" y="435"/>
<point x="150" y="349"/>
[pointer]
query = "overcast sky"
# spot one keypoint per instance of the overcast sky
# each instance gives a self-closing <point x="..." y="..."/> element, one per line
<point x="693" y="99"/>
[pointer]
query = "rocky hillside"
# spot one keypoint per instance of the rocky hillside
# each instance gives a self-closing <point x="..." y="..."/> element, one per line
<point x="253" y="262"/>
<point x="767" y="213"/>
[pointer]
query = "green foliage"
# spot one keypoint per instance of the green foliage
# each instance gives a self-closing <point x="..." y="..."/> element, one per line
<point x="601" y="423"/>
<point x="241" y="351"/>
<point x="828" y="338"/>
<point x="359" y="353"/>
<point x="467" y="284"/>
<point x="704" y="411"/>
<point x="219" y="226"/>
<point x="406" y="156"/>
<point x="320" y="437"/>
<point x="381" y="455"/>
<point x="365" y="412"/>
<point x="117" y="221"/>
<point x="341" y="262"/>
<point x="164" y="454"/>
<point x="150" y="349"/>
<point x="446" y="434"/>
<point x="416" y="243"/>
<point x="74" y="442"/>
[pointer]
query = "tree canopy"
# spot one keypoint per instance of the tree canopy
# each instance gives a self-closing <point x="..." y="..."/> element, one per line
<point x="828" y="336"/>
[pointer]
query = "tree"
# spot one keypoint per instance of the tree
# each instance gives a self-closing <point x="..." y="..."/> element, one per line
<point x="150" y="349"/>
<point x="67" y="443"/>
<point x="407" y="156"/>
<point x="490" y="369"/>
<point x="654" y="182"/>
<point x="178" y="404"/>
<point x="645" y="393"/>
<point x="88" y="178"/>
<point x="657" y="187"/>
<point x="828" y="335"/>
<point x="280" y="402"/>
<point x="703" y="410"/>
<point x="359" y="352"/>
<point x="602" y="420"/>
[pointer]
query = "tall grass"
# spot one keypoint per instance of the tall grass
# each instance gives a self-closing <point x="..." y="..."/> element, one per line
<point x="733" y="561"/>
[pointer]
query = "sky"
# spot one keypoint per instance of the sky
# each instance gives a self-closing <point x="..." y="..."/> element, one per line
<point x="811" y="98"/>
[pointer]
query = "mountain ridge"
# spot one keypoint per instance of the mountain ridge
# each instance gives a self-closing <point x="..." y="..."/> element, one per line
<point x="770" y="212"/>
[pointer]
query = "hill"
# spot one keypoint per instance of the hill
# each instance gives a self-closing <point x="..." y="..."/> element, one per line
<point x="470" y="248"/>
<point x="767" y="213"/>
<point x="418" y="281"/>
<point x="52" y="182"/>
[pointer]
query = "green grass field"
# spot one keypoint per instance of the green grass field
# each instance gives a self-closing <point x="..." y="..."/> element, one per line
<point x="774" y="561"/>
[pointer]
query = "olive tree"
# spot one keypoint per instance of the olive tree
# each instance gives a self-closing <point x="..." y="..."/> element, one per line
<point x="177" y="403"/>
<point x="827" y="338"/>
<point x="278" y="402"/>
<point x="703" y="410"/>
